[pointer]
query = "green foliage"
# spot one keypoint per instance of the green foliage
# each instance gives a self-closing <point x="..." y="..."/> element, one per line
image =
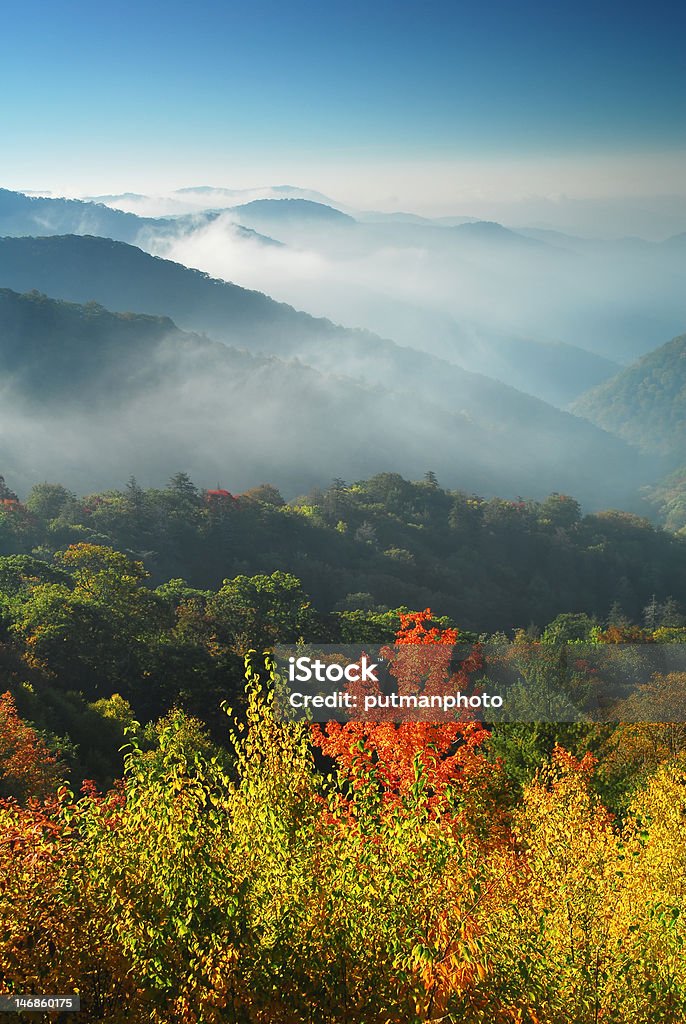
<point x="260" y="611"/>
<point x="646" y="403"/>
<point x="568" y="628"/>
<point x="396" y="542"/>
<point x="49" y="501"/>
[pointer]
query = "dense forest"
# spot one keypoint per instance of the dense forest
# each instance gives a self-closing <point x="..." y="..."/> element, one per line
<point x="491" y="564"/>
<point x="123" y="605"/>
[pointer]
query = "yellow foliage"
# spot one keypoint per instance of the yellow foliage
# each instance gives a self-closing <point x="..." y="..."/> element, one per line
<point x="272" y="896"/>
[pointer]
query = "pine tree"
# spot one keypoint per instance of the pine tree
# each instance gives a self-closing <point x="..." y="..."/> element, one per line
<point x="651" y="614"/>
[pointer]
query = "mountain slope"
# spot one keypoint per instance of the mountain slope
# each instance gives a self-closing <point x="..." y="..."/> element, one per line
<point x="123" y="277"/>
<point x="91" y="396"/>
<point x="510" y="441"/>
<point x="646" y="403"/>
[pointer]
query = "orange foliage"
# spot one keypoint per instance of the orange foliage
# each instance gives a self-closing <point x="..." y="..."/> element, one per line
<point x="27" y="768"/>
<point x="447" y="752"/>
<point x="625" y="635"/>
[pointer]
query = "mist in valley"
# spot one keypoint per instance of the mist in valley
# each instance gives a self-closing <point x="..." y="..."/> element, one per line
<point x="90" y="397"/>
<point x="465" y="341"/>
<point x="457" y="291"/>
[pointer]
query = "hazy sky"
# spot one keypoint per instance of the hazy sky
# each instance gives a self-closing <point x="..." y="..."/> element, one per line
<point x="383" y="103"/>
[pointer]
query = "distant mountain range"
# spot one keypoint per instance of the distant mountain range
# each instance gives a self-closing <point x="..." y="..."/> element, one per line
<point x="201" y="197"/>
<point x="613" y="299"/>
<point x="26" y="213"/>
<point x="21" y="214"/>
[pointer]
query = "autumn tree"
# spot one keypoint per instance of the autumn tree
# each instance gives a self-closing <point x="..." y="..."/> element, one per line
<point x="27" y="767"/>
<point x="449" y="753"/>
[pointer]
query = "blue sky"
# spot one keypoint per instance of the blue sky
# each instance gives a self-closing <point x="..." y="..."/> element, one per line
<point x="114" y="96"/>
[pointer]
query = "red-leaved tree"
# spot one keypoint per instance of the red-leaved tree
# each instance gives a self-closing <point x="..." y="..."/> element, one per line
<point x="446" y="751"/>
<point x="27" y="768"/>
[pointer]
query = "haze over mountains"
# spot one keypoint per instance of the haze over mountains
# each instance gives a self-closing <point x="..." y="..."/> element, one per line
<point x="219" y="410"/>
<point x="424" y="283"/>
<point x="464" y="342"/>
<point x="202" y="197"/>
<point x="96" y="393"/>
<point x="40" y="215"/>
<point x="614" y="299"/>
<point x="126" y="278"/>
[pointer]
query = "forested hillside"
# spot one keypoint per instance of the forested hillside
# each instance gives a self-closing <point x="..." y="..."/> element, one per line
<point x="156" y="595"/>
<point x="668" y="500"/>
<point x="646" y="403"/>
<point x="490" y="564"/>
